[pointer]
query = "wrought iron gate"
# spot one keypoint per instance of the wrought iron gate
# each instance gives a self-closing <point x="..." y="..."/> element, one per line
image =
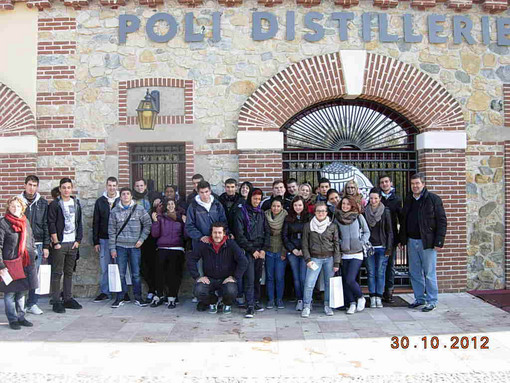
<point x="372" y="137"/>
<point x="159" y="164"/>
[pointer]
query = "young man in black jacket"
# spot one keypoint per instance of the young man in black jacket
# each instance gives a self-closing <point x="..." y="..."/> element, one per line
<point x="278" y="191"/>
<point x="251" y="232"/>
<point x="223" y="263"/>
<point x="392" y="201"/>
<point x="230" y="201"/>
<point x="66" y="231"/>
<point x="37" y="215"/>
<point x="102" y="208"/>
<point x="423" y="229"/>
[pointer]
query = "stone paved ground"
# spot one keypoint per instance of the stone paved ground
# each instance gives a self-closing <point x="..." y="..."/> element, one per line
<point x="100" y="344"/>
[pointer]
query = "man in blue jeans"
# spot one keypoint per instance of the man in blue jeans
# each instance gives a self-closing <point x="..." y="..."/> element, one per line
<point x="102" y="208"/>
<point x="129" y="226"/>
<point x="423" y="229"/>
<point x="37" y="215"/>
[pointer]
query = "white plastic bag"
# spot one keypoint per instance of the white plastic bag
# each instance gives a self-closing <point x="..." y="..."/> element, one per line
<point x="336" y="292"/>
<point x="44" y="278"/>
<point x="114" y="278"/>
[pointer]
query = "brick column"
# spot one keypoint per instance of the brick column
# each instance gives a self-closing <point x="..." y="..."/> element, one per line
<point x="260" y="168"/>
<point x="445" y="173"/>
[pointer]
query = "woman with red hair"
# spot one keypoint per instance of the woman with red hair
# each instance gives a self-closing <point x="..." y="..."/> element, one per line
<point x="17" y="262"/>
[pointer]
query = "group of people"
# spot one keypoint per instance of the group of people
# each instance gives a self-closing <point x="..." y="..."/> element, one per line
<point x="225" y="242"/>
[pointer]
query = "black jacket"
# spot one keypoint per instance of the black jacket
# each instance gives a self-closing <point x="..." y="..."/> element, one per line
<point x="266" y="204"/>
<point x="230" y="204"/>
<point x="229" y="261"/>
<point x="9" y="240"/>
<point x="394" y="203"/>
<point x="292" y="233"/>
<point x="37" y="215"/>
<point x="431" y="219"/>
<point x="384" y="230"/>
<point x="56" y="221"/>
<point x="100" y="218"/>
<point x="255" y="237"/>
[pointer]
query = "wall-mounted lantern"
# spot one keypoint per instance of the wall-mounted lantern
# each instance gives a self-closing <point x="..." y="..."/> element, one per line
<point x="148" y="110"/>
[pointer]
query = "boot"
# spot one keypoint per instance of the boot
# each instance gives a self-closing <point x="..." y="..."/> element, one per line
<point x="388" y="296"/>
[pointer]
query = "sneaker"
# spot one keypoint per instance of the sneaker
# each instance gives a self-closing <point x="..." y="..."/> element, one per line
<point x="25" y="323"/>
<point x="373" y="303"/>
<point x="213" y="309"/>
<point x="281" y="305"/>
<point x="34" y="309"/>
<point x="270" y="305"/>
<point x="299" y="305"/>
<point x="149" y="297"/>
<point x="250" y="312"/>
<point x="351" y="309"/>
<point x="59" y="308"/>
<point x="15" y="325"/>
<point x="171" y="305"/>
<point x="141" y="302"/>
<point x="378" y="303"/>
<point x="361" y="304"/>
<point x="118" y="302"/>
<point x="258" y="307"/>
<point x="156" y="301"/>
<point x="328" y="311"/>
<point x="415" y="304"/>
<point x="194" y="300"/>
<point x="428" y="307"/>
<point x="227" y="309"/>
<point x="306" y="312"/>
<point x="101" y="297"/>
<point x="72" y="304"/>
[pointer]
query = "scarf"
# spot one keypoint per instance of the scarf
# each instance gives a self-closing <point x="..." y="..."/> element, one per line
<point x="374" y="216"/>
<point x="19" y="225"/>
<point x="245" y="210"/>
<point x="346" y="218"/>
<point x="318" y="226"/>
<point x="137" y="196"/>
<point x="386" y="196"/>
<point x="111" y="200"/>
<point x="217" y="246"/>
<point x="275" y="223"/>
<point x="205" y="205"/>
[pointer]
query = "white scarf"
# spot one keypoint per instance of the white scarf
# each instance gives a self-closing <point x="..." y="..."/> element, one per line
<point x="319" y="227"/>
<point x="205" y="205"/>
<point x="111" y="200"/>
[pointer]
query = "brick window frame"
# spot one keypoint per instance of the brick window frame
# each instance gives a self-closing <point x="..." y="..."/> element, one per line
<point x="16" y="117"/>
<point x="187" y="85"/>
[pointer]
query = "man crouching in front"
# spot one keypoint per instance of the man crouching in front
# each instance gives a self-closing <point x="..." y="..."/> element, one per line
<point x="223" y="263"/>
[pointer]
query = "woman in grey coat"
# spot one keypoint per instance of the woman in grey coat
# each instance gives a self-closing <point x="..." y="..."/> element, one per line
<point x="354" y="232"/>
<point x="17" y="262"/>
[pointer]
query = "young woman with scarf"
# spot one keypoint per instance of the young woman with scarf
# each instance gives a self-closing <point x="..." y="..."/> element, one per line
<point x="168" y="230"/>
<point x="351" y="189"/>
<point x="378" y="218"/>
<point x="305" y="191"/>
<point x="321" y="251"/>
<point x="292" y="235"/>
<point x="251" y="233"/>
<point x="354" y="233"/>
<point x="276" y="259"/>
<point x="17" y="262"/>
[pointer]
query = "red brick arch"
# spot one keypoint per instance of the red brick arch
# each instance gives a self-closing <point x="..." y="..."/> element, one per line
<point x="16" y="117"/>
<point x="423" y="100"/>
<point x="400" y="86"/>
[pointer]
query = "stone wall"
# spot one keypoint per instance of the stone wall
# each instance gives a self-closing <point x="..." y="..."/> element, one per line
<point x="90" y="64"/>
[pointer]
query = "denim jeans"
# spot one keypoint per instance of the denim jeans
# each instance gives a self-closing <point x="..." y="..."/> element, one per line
<point x="390" y="271"/>
<point x="422" y="271"/>
<point x="376" y="268"/>
<point x="350" y="270"/>
<point x="133" y="256"/>
<point x="15" y="306"/>
<point x="33" y="298"/>
<point x="325" y="264"/>
<point x="252" y="279"/>
<point x="104" y="259"/>
<point x="298" y="266"/>
<point x="275" y="276"/>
